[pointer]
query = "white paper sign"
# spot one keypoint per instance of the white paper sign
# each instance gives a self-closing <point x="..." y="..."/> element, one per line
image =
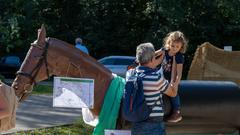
<point x="73" y="92"/>
<point x="117" y="132"/>
<point x="228" y="48"/>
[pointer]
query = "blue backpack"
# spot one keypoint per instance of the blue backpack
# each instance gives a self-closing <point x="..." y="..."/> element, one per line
<point x="134" y="106"/>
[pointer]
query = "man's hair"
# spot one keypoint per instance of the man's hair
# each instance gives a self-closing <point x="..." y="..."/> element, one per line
<point x="145" y="53"/>
<point x="78" y="41"/>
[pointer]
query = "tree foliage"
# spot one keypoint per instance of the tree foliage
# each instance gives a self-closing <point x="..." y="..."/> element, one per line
<point x="116" y="27"/>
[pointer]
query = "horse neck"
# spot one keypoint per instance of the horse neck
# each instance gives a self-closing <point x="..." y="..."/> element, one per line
<point x="68" y="61"/>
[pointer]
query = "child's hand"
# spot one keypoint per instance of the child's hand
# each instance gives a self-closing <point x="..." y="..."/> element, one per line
<point x="159" y="54"/>
<point x="174" y="85"/>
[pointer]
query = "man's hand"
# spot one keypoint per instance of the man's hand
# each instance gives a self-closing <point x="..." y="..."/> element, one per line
<point x="172" y="89"/>
<point x="175" y="86"/>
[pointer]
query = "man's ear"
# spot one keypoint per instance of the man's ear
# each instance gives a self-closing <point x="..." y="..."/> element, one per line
<point x="153" y="61"/>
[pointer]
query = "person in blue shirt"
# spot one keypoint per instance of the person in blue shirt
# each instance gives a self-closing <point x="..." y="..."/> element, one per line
<point x="80" y="45"/>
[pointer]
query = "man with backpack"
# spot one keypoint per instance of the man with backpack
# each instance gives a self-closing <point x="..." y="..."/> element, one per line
<point x="146" y="114"/>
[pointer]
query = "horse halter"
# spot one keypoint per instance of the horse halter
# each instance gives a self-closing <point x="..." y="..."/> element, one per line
<point x="36" y="69"/>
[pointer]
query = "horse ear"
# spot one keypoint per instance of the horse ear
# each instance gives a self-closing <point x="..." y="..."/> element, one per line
<point x="41" y="35"/>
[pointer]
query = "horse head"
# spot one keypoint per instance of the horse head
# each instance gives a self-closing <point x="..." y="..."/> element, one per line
<point x="50" y="56"/>
<point x="34" y="68"/>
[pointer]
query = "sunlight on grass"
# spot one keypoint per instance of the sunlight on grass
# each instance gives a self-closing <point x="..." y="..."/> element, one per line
<point x="78" y="128"/>
<point x="42" y="89"/>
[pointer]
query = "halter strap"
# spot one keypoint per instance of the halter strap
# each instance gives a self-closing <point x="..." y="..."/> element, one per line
<point x="37" y="67"/>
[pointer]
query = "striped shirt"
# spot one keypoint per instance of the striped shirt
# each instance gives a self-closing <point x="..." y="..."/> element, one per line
<point x="154" y="84"/>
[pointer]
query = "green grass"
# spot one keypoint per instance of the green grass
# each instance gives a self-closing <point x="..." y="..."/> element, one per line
<point x="42" y="89"/>
<point x="78" y="128"/>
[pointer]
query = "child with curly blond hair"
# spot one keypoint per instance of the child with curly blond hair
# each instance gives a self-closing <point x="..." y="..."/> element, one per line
<point x="174" y="47"/>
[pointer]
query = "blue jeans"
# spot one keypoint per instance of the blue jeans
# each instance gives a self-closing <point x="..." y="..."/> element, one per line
<point x="175" y="102"/>
<point x="148" y="128"/>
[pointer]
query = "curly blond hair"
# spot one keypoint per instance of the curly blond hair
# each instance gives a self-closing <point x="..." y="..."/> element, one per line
<point x="175" y="36"/>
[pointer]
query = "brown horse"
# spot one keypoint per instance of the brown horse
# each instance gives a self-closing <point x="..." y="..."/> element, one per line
<point x="50" y="56"/>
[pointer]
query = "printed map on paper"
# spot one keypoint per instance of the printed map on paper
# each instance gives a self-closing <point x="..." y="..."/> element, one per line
<point x="73" y="92"/>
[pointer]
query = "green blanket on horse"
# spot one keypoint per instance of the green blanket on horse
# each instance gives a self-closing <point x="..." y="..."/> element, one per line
<point x="110" y="109"/>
